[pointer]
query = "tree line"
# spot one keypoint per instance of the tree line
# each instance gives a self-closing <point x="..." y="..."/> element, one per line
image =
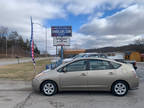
<point x="12" y="44"/>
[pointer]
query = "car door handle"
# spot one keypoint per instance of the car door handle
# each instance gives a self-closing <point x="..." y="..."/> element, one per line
<point x="83" y="74"/>
<point x="111" y="73"/>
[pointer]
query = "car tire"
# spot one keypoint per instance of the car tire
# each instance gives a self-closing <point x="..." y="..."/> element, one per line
<point x="49" y="88"/>
<point x="120" y="88"/>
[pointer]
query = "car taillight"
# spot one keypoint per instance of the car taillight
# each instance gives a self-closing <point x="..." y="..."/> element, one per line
<point x="135" y="75"/>
<point x="134" y="63"/>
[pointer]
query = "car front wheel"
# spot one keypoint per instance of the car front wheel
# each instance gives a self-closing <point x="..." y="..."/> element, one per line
<point x="120" y="88"/>
<point x="49" y="88"/>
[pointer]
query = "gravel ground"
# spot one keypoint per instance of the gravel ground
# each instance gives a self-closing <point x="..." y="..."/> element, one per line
<point x="140" y="70"/>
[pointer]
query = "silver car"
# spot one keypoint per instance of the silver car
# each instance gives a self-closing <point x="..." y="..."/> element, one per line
<point x="84" y="74"/>
<point x="84" y="55"/>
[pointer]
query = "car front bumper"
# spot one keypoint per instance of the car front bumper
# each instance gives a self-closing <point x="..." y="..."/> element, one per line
<point x="36" y="84"/>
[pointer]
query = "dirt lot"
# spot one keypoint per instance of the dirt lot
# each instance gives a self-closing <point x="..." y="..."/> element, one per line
<point x="22" y="71"/>
<point x="18" y="94"/>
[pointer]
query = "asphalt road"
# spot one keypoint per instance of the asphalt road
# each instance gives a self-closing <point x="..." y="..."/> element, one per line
<point x="21" y="60"/>
<point x="18" y="94"/>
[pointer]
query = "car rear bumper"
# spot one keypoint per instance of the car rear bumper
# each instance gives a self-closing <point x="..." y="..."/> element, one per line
<point x="135" y="83"/>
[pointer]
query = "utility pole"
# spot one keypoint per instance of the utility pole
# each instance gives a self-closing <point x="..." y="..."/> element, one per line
<point x="56" y="51"/>
<point x="46" y="41"/>
<point x="62" y="53"/>
<point x="6" y="46"/>
<point x="45" y="37"/>
<point x="12" y="50"/>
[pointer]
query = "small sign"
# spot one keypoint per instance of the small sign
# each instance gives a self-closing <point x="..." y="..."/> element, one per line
<point x="61" y="31"/>
<point x="61" y="41"/>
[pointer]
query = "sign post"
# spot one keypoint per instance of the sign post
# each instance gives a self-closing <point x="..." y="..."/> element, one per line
<point x="61" y="52"/>
<point x="61" y="36"/>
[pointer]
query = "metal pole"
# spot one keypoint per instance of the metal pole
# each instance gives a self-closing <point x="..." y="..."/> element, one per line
<point x="46" y="40"/>
<point x="56" y="51"/>
<point x="13" y="51"/>
<point x="62" y="53"/>
<point x="6" y="46"/>
<point x="31" y="40"/>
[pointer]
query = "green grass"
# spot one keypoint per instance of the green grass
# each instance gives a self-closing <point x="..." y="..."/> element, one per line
<point x="24" y="71"/>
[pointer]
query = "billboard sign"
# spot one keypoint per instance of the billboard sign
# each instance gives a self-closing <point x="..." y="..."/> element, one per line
<point x="61" y="31"/>
<point x="61" y="41"/>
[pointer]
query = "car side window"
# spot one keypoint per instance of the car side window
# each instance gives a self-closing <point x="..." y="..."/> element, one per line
<point x="80" y="65"/>
<point x="99" y="65"/>
<point x="115" y="65"/>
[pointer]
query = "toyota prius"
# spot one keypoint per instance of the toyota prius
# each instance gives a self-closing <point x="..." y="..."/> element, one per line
<point x="88" y="74"/>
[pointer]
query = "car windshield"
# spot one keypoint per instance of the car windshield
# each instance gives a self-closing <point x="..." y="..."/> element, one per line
<point x="78" y="56"/>
<point x="93" y="55"/>
<point x="97" y="55"/>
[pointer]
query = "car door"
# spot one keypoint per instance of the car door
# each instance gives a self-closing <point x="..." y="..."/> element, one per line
<point x="100" y="74"/>
<point x="74" y="75"/>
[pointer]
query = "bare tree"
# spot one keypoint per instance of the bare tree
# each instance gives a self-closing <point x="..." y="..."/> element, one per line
<point x="3" y="39"/>
<point x="139" y="42"/>
<point x="15" y="44"/>
<point x="3" y="31"/>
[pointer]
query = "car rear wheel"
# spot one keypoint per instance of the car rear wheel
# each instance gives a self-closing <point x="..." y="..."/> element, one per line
<point x="49" y="88"/>
<point x="120" y="88"/>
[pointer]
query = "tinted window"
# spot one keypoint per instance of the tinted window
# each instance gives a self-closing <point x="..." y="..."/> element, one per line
<point x="93" y="55"/>
<point x="115" y="65"/>
<point x="76" y="66"/>
<point x="103" y="56"/>
<point x="99" y="65"/>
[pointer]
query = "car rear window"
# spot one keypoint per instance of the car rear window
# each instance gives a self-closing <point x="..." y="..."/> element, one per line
<point x="99" y="65"/>
<point x="115" y="65"/>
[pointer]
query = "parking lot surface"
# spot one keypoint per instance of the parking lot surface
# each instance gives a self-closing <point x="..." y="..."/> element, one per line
<point x="21" y="96"/>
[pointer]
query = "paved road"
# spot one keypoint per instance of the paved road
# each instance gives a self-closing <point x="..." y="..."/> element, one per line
<point x="21" y="60"/>
<point x="18" y="94"/>
<point x="140" y="71"/>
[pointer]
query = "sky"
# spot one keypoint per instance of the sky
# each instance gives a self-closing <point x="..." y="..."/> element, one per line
<point x="95" y="23"/>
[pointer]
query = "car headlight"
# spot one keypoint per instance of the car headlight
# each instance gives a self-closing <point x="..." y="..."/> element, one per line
<point x="38" y="75"/>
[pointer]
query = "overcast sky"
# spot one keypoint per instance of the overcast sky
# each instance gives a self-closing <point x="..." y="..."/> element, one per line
<point x="95" y="23"/>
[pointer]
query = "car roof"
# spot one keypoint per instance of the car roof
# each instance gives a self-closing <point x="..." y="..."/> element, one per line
<point x="89" y="53"/>
<point x="93" y="58"/>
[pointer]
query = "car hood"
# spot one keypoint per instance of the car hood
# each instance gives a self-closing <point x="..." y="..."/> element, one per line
<point x="48" y="71"/>
<point x="67" y="59"/>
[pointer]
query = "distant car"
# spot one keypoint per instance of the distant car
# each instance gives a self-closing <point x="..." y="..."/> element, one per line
<point x="84" y="55"/>
<point x="87" y="74"/>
